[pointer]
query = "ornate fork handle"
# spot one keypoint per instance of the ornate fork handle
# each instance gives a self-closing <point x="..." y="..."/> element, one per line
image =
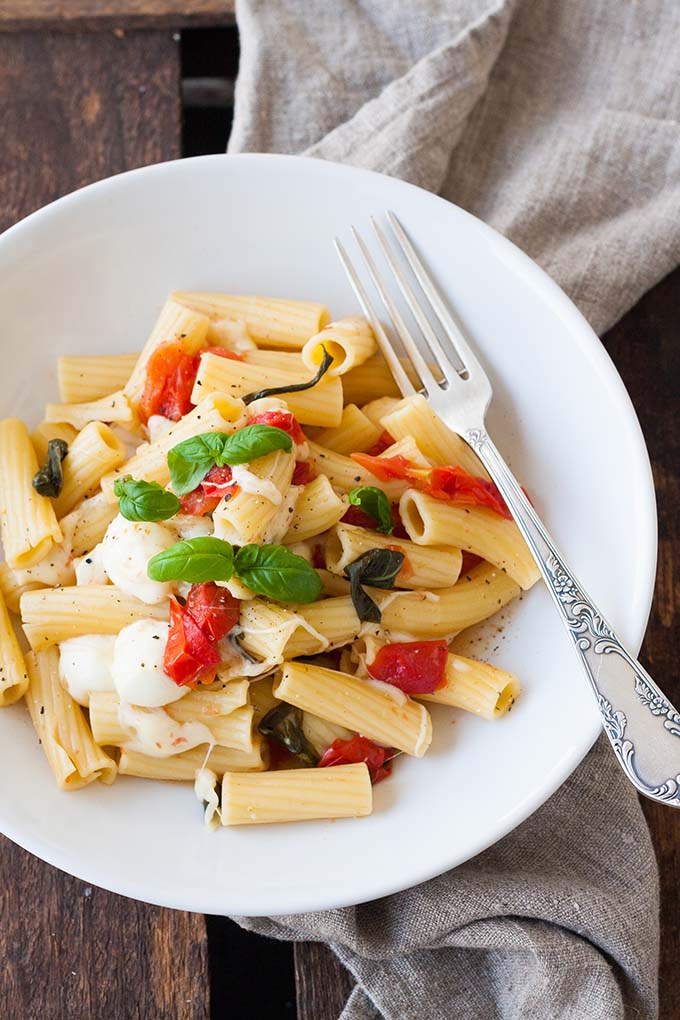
<point x="638" y="719"/>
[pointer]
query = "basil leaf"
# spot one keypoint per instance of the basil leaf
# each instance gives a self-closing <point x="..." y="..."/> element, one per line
<point x="49" y="480"/>
<point x="144" y="501"/>
<point x="379" y="568"/>
<point x="190" y="461"/>
<point x="251" y="442"/>
<point x="374" y="502"/>
<point x="274" y="571"/>
<point x="185" y="474"/>
<point x="194" y="560"/>
<point x="284" y="724"/>
<point x="274" y="391"/>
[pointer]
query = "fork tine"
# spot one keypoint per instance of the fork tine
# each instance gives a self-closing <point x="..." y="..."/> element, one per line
<point x="394" y="364"/>
<point x="429" y="335"/>
<point x="428" y="380"/>
<point x="454" y="332"/>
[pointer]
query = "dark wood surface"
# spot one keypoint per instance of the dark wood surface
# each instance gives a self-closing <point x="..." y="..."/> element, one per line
<point x="75" y="108"/>
<point x="99" y="15"/>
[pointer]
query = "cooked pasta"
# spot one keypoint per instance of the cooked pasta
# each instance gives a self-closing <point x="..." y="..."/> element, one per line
<point x="246" y="569"/>
<point x="349" y="342"/>
<point x="272" y="322"/>
<point x="28" y="523"/>
<point x="93" y="376"/>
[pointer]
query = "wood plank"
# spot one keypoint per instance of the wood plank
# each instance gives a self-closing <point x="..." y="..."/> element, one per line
<point x="100" y="15"/>
<point x="645" y="350"/>
<point x="74" y="109"/>
<point x="323" y="984"/>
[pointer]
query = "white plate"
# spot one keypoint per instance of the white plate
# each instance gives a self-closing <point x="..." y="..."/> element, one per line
<point x="88" y="274"/>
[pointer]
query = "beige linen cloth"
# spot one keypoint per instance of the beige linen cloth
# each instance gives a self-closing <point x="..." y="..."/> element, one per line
<point x="557" y="122"/>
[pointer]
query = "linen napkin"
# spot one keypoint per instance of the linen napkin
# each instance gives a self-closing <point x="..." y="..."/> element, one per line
<point x="556" y="121"/>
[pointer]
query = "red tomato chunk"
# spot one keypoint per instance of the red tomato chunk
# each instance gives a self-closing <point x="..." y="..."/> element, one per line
<point x="284" y="420"/>
<point x="170" y="377"/>
<point x="415" y="667"/>
<point x="357" y="749"/>
<point x="214" y="609"/>
<point x="449" y="483"/>
<point x="190" y="657"/>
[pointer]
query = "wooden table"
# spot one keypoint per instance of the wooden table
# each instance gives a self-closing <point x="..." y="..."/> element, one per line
<point x="89" y="88"/>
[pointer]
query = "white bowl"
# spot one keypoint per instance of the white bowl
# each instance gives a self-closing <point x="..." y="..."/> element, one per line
<point x="88" y="274"/>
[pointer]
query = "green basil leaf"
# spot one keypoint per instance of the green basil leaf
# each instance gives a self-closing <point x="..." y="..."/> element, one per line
<point x="274" y="571"/>
<point x="275" y="391"/>
<point x="283" y="723"/>
<point x="185" y="474"/>
<point x="194" y="560"/>
<point x="379" y="568"/>
<point x="251" y="442"/>
<point x="190" y="461"/>
<point x="374" y="502"/>
<point x="144" y="501"/>
<point x="49" y="480"/>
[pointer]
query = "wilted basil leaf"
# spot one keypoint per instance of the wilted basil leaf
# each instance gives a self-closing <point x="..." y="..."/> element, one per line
<point x="284" y="724"/>
<point x="49" y="480"/>
<point x="275" y="391"/>
<point x="379" y="568"/>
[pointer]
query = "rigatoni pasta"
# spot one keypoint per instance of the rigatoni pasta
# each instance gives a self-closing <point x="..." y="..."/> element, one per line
<point x="197" y="564"/>
<point x="28" y="522"/>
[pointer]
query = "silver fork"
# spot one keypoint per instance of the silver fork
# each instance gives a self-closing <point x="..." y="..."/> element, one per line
<point x="640" y="722"/>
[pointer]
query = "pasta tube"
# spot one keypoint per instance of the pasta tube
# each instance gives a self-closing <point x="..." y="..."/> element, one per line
<point x="320" y="405"/>
<point x="378" y="409"/>
<point x="350" y="342"/>
<point x="11" y="588"/>
<point x="246" y="516"/>
<point x="333" y="620"/>
<point x="345" y="474"/>
<point x="296" y="795"/>
<point x="88" y="522"/>
<point x="475" y="597"/>
<point x="92" y="453"/>
<point x="476" y="687"/>
<point x="51" y="615"/>
<point x="60" y="723"/>
<point x="182" y="767"/>
<point x="356" y="433"/>
<point x="317" y="509"/>
<point x="113" y="408"/>
<point x="370" y="380"/>
<point x="438" y="568"/>
<point x="414" y="417"/>
<point x="475" y="529"/>
<point x="46" y="430"/>
<point x="13" y="673"/>
<point x="271" y="321"/>
<point x="92" y="376"/>
<point x="267" y="630"/>
<point x="380" y="712"/>
<point x="27" y="520"/>
<point x="175" y="323"/>
<point x="233" y="729"/>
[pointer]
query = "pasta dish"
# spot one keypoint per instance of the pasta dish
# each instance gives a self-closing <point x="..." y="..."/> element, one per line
<point x="239" y="559"/>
